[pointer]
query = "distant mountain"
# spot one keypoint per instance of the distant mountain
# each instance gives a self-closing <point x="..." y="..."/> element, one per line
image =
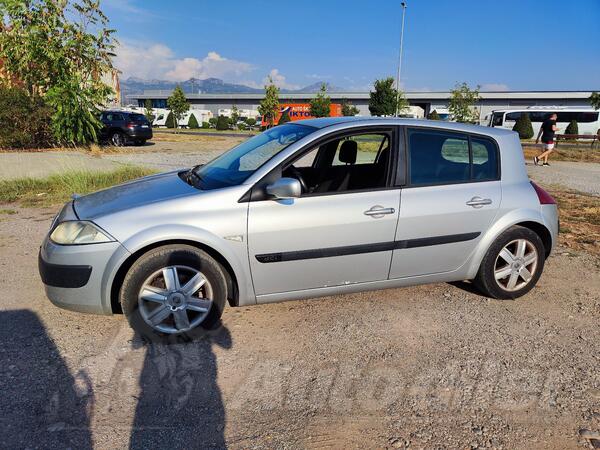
<point x="136" y="86"/>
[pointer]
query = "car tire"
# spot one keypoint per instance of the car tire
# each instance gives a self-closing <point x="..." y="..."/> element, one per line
<point x="512" y="265"/>
<point x="117" y="139"/>
<point x="160" y="310"/>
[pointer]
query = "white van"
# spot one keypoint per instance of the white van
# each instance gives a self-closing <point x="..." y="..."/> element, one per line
<point x="587" y="118"/>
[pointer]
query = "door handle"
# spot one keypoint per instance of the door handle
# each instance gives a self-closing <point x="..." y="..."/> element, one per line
<point x="378" y="211"/>
<point x="478" y="202"/>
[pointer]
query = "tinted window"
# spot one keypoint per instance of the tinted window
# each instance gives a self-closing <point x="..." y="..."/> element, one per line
<point x="137" y="118"/>
<point x="437" y="157"/>
<point x="512" y="116"/>
<point x="497" y="119"/>
<point x="485" y="163"/>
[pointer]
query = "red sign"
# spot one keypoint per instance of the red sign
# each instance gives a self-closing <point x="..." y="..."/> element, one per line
<point x="301" y="111"/>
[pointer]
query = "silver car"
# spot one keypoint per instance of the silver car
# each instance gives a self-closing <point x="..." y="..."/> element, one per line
<point x="306" y="209"/>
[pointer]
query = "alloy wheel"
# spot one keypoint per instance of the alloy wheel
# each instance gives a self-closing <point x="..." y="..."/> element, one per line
<point x="117" y="140"/>
<point x="516" y="265"/>
<point x="175" y="299"/>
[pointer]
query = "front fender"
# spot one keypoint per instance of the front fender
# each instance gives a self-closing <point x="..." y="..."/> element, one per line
<point x="234" y="252"/>
<point x="501" y="224"/>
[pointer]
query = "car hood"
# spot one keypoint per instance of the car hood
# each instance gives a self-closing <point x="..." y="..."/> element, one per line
<point x="144" y="191"/>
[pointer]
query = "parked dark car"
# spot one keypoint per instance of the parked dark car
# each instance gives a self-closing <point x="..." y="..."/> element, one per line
<point x="122" y="127"/>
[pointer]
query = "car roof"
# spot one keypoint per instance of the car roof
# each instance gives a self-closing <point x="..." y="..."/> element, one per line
<point x="324" y="122"/>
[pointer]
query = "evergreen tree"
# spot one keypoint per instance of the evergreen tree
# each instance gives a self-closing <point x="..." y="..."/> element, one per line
<point x="348" y="109"/>
<point x="149" y="112"/>
<point x="320" y="106"/>
<point x="383" y="100"/>
<point x="572" y="128"/>
<point x="595" y="100"/>
<point x="270" y="104"/>
<point x="170" y="122"/>
<point x="193" y="122"/>
<point x="523" y="126"/>
<point x="222" y="123"/>
<point x="178" y="104"/>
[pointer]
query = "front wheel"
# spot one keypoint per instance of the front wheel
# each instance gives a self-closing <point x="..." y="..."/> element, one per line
<point x="175" y="291"/>
<point x="512" y="265"/>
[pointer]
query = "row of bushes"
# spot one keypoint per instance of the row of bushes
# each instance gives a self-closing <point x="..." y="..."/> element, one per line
<point x="221" y="123"/>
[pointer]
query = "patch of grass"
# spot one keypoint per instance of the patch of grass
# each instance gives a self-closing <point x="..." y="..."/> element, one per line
<point x="579" y="154"/>
<point x="579" y="219"/>
<point x="7" y="211"/>
<point x="58" y="188"/>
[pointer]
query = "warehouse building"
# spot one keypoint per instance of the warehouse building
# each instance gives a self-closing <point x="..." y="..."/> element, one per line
<point x="429" y="101"/>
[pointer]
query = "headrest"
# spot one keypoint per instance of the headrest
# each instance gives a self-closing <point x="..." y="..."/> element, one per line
<point x="348" y="152"/>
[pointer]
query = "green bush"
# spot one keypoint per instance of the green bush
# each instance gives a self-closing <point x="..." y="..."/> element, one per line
<point x="242" y="126"/>
<point x="523" y="126"/>
<point x="433" y="115"/>
<point x="170" y="122"/>
<point x="285" y="117"/>
<point x="26" y="123"/>
<point x="222" y="123"/>
<point x="572" y="128"/>
<point x="213" y="121"/>
<point x="205" y="125"/>
<point x="251" y="121"/>
<point x="193" y="122"/>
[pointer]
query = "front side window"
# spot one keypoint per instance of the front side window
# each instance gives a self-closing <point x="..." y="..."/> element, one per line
<point x="439" y="157"/>
<point x="351" y="163"/>
<point x="235" y="166"/>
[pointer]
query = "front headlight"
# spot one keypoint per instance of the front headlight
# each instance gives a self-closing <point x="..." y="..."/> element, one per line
<point x="78" y="232"/>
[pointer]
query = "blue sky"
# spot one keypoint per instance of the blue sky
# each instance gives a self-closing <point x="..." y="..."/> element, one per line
<point x="508" y="44"/>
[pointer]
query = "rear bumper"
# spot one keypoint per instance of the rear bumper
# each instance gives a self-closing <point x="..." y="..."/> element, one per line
<point x="143" y="133"/>
<point x="550" y="216"/>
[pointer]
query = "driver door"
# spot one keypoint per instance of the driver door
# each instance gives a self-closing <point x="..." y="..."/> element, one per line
<point x="335" y="235"/>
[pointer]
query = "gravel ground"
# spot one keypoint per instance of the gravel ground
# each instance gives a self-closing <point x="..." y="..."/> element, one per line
<point x="422" y="367"/>
<point x="574" y="175"/>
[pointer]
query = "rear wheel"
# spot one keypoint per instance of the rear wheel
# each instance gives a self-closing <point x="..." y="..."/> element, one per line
<point x="175" y="291"/>
<point x="117" y="139"/>
<point x="512" y="265"/>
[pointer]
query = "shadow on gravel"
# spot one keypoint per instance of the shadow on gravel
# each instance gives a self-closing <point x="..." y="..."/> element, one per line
<point x="180" y="403"/>
<point x="41" y="404"/>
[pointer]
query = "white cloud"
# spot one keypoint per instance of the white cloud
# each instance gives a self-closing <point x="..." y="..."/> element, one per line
<point x="159" y="61"/>
<point x="494" y="87"/>
<point x="279" y="80"/>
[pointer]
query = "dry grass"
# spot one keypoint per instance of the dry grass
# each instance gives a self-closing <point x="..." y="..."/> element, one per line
<point x="579" y="220"/>
<point x="578" y="154"/>
<point x="58" y="188"/>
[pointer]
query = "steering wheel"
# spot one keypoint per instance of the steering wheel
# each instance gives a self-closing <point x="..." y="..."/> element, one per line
<point x="298" y="175"/>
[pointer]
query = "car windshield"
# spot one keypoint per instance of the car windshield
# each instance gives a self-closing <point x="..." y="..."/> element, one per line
<point x="235" y="166"/>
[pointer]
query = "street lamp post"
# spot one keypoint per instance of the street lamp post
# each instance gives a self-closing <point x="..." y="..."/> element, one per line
<point x="403" y="5"/>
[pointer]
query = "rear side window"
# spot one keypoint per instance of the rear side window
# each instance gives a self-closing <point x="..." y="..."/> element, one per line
<point x="437" y="157"/>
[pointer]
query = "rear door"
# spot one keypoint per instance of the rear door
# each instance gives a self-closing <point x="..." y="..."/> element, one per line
<point x="451" y="198"/>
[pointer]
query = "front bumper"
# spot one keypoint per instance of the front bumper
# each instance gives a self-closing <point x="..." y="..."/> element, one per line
<point x="79" y="277"/>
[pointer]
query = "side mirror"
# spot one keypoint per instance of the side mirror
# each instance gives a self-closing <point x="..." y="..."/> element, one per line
<point x="285" y="188"/>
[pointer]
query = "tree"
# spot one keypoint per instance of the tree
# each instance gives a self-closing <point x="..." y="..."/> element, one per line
<point x="523" y="126"/>
<point x="462" y="103"/>
<point x="433" y="115"/>
<point x="348" y="109"/>
<point x="320" y="105"/>
<point x="385" y="100"/>
<point x="205" y="125"/>
<point x="269" y="105"/>
<point x="149" y="113"/>
<point x="222" y="123"/>
<point x="170" y="122"/>
<point x="193" y="122"/>
<point x="251" y="121"/>
<point x="60" y="51"/>
<point x="285" y="117"/>
<point x="235" y="114"/>
<point x="178" y="104"/>
<point x="213" y="122"/>
<point x="572" y="128"/>
<point x="595" y="100"/>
